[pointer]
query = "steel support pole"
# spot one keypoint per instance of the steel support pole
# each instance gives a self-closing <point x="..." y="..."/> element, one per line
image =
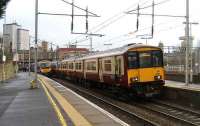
<point x="190" y="53"/>
<point x="29" y="58"/>
<point x="187" y="44"/>
<point x="90" y="43"/>
<point x="36" y="39"/>
<point x="2" y="58"/>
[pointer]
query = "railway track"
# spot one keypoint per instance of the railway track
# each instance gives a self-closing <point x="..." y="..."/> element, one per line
<point x="153" y="113"/>
<point x="177" y="114"/>
<point x="186" y="115"/>
<point x="141" y="120"/>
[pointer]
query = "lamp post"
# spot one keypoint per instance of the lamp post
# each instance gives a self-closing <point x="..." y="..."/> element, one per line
<point x="36" y="39"/>
<point x="29" y="57"/>
<point x="190" y="45"/>
<point x="3" y="56"/>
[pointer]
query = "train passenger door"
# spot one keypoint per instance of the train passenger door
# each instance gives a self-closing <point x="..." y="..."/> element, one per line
<point x="100" y="70"/>
<point x="119" y="66"/>
<point x="84" y="69"/>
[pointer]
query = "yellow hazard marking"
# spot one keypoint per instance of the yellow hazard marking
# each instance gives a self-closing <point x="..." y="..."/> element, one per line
<point x="57" y="110"/>
<point x="75" y="116"/>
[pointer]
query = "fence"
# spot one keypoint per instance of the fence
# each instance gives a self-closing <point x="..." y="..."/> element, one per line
<point x="174" y="62"/>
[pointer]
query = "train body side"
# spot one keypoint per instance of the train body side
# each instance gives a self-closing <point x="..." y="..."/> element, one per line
<point x="116" y="70"/>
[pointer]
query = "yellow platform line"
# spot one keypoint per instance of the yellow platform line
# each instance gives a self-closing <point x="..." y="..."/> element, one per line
<point x="75" y="116"/>
<point x="56" y="108"/>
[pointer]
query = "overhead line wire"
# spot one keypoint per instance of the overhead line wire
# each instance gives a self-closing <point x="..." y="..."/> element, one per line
<point x="118" y="14"/>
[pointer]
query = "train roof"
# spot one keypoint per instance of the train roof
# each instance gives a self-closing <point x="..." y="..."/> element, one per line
<point x="111" y="52"/>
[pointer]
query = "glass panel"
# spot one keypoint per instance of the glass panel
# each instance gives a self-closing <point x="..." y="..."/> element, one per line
<point x="70" y="65"/>
<point x="79" y="65"/>
<point x="107" y="65"/>
<point x="132" y="60"/>
<point x="145" y="59"/>
<point x="76" y="66"/>
<point x="157" y="58"/>
<point x="91" y="65"/>
<point x="44" y="65"/>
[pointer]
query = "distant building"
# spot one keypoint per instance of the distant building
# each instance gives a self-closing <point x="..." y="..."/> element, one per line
<point x="44" y="46"/>
<point x="68" y="52"/>
<point x="15" y="37"/>
<point x="10" y="36"/>
<point x="23" y="39"/>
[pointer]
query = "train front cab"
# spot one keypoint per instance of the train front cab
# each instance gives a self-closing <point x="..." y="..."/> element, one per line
<point x="45" y="68"/>
<point x="145" y="71"/>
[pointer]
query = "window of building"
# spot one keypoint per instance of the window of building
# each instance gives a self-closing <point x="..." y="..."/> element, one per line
<point x="107" y="65"/>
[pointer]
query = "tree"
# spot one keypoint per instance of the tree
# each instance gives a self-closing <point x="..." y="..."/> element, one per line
<point x="3" y="4"/>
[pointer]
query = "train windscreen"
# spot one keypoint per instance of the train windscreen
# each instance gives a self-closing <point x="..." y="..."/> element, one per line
<point x="145" y="59"/>
<point x="157" y="58"/>
<point x="44" y="65"/>
<point x="132" y="60"/>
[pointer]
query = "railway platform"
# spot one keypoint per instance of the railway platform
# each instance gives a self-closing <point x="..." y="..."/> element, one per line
<point x="181" y="85"/>
<point x="49" y="105"/>
<point x="186" y="95"/>
<point x="20" y="106"/>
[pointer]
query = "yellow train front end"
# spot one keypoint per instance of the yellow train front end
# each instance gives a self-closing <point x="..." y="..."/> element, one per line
<point x="45" y="67"/>
<point x="145" y="70"/>
<point x="45" y="70"/>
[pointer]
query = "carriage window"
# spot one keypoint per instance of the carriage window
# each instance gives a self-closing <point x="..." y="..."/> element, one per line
<point x="157" y="58"/>
<point x="91" y="65"/>
<point x="78" y="66"/>
<point x="132" y="60"/>
<point x="71" y="66"/>
<point x="107" y="65"/>
<point x="66" y="65"/>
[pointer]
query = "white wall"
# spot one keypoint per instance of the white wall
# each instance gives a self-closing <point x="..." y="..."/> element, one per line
<point x="10" y="35"/>
<point x="23" y="39"/>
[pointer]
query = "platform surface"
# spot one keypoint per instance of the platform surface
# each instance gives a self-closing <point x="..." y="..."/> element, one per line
<point x="181" y="85"/>
<point x="80" y="106"/>
<point x="49" y="105"/>
<point x="20" y="106"/>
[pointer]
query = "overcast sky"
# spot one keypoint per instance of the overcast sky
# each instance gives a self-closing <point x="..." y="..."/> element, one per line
<point x="56" y="29"/>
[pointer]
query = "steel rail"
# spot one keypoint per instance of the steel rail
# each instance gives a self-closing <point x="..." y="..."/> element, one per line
<point x="155" y="108"/>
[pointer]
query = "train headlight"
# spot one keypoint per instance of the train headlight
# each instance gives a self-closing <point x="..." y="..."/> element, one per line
<point x="134" y="79"/>
<point x="158" y="77"/>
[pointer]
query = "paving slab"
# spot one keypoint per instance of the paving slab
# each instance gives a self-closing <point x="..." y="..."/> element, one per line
<point x="21" y="106"/>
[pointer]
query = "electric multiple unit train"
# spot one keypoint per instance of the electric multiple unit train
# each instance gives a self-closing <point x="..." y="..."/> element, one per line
<point x="134" y="68"/>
